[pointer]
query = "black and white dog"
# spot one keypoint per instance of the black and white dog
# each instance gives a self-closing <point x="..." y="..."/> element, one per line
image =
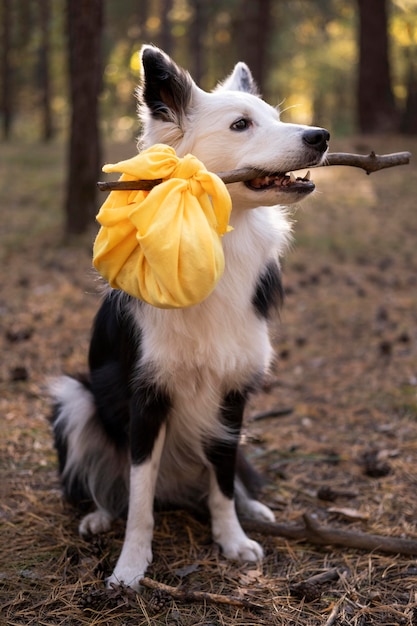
<point x="159" y="416"/>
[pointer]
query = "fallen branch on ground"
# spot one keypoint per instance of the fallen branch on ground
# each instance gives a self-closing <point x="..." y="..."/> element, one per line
<point x="311" y="588"/>
<point x="272" y="413"/>
<point x="370" y="163"/>
<point x="185" y="595"/>
<point x="316" y="534"/>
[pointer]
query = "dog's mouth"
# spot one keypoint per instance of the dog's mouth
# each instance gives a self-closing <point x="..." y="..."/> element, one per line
<point x="284" y="182"/>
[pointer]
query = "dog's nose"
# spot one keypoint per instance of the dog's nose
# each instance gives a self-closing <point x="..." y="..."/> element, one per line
<point x="316" y="138"/>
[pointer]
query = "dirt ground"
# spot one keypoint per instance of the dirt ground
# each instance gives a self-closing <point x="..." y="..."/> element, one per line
<point x="341" y="446"/>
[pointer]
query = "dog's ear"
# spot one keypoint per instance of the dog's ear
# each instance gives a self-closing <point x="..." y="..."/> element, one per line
<point x="240" y="79"/>
<point x="166" y="88"/>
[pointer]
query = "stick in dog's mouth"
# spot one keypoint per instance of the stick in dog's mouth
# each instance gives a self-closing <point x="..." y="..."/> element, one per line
<point x="370" y="163"/>
<point x="285" y="182"/>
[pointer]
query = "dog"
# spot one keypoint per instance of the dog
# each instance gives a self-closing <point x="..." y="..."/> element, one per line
<point x="158" y="418"/>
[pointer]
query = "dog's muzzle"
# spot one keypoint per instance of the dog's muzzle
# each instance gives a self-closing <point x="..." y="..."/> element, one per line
<point x="316" y="143"/>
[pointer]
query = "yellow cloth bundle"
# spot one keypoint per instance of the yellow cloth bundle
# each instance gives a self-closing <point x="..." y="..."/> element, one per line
<point x="164" y="246"/>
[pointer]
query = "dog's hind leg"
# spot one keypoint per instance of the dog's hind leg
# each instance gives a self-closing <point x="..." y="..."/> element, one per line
<point x="92" y="468"/>
<point x="250" y="508"/>
<point x="248" y="484"/>
<point x="226" y="528"/>
<point x="98" y="521"/>
<point x="149" y="410"/>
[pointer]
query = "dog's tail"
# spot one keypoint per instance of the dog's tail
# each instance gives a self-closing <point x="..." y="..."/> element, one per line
<point x="92" y="467"/>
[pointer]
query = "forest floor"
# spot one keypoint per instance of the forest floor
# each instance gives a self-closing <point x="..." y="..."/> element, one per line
<point x="343" y="448"/>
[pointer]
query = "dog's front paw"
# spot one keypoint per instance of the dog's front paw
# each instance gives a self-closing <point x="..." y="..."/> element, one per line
<point x="131" y="566"/>
<point x="243" y="550"/>
<point x="127" y="576"/>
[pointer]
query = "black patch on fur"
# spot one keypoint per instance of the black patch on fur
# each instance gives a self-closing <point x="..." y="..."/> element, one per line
<point x="222" y="454"/>
<point x="269" y="292"/>
<point x="248" y="475"/>
<point x="167" y="88"/>
<point x="149" y="408"/>
<point x="114" y="351"/>
<point x="130" y="407"/>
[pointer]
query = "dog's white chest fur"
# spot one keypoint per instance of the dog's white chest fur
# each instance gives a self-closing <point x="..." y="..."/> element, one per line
<point x="223" y="338"/>
<point x="196" y="354"/>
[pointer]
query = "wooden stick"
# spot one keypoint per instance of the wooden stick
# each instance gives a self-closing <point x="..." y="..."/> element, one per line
<point x="199" y="596"/>
<point x="370" y="163"/>
<point x="311" y="588"/>
<point x="129" y="185"/>
<point x="314" y="533"/>
<point x="272" y="413"/>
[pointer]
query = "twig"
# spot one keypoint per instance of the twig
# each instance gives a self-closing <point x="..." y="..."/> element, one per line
<point x="272" y="413"/>
<point x="129" y="185"/>
<point x="331" y="620"/>
<point x="199" y="596"/>
<point x="370" y="163"/>
<point x="314" y="533"/>
<point x="311" y="588"/>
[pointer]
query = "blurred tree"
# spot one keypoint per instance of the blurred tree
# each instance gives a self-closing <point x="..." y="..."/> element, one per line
<point x="375" y="103"/>
<point x="196" y="33"/>
<point x="409" y="117"/>
<point x="85" y="24"/>
<point x="25" y="19"/>
<point x="253" y="28"/>
<point x="6" y="87"/>
<point x="44" y="74"/>
<point x="302" y="53"/>
<point x="165" y="39"/>
<point x="403" y="31"/>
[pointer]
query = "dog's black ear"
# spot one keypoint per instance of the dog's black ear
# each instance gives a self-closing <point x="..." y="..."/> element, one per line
<point x="166" y="88"/>
<point x="240" y="79"/>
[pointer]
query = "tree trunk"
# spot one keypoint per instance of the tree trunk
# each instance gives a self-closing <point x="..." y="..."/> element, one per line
<point x="6" y="74"/>
<point x="254" y="24"/>
<point x="409" y="116"/>
<point x="376" y="106"/>
<point x="165" y="37"/>
<point x="196" y="43"/>
<point x="85" y="24"/>
<point x="44" y="75"/>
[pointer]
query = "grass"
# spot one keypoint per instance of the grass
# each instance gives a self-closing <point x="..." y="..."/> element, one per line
<point x="348" y="345"/>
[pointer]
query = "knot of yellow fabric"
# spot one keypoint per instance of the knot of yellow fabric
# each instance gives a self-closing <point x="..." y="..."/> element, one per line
<point x="164" y="246"/>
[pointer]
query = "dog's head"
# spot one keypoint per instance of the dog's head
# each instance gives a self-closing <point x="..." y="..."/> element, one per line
<point x="228" y="128"/>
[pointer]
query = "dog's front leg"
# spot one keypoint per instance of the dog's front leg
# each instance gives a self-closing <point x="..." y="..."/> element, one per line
<point x="226" y="528"/>
<point x="149" y="410"/>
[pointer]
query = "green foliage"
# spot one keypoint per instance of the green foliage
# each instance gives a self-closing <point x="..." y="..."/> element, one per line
<point x="316" y="58"/>
<point x="403" y="34"/>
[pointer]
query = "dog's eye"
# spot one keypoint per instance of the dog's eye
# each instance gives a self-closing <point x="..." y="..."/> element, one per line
<point x="242" y="124"/>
